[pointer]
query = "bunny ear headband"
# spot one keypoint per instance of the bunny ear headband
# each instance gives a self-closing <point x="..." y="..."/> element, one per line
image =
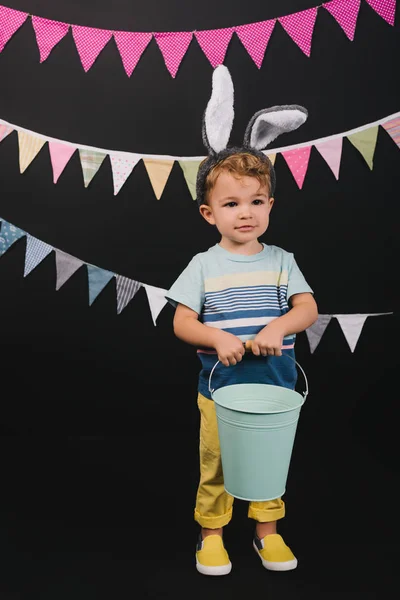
<point x="264" y="126"/>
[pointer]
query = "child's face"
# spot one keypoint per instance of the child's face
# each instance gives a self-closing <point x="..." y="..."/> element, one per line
<point x="239" y="208"/>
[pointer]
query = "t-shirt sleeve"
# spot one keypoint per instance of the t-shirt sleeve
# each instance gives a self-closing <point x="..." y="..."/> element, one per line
<point x="296" y="283"/>
<point x="188" y="289"/>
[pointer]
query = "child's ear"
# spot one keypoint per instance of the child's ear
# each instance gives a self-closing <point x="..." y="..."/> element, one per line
<point x="207" y="213"/>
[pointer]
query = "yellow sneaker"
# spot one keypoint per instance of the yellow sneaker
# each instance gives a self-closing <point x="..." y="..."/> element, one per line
<point x="211" y="556"/>
<point x="274" y="553"/>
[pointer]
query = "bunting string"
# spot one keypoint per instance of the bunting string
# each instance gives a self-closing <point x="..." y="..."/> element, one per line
<point x="173" y="45"/>
<point x="158" y="167"/>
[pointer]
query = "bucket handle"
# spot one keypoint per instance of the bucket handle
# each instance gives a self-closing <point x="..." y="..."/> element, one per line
<point x="247" y="345"/>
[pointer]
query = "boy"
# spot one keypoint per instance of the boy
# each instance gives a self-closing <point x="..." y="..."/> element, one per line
<point x="236" y="291"/>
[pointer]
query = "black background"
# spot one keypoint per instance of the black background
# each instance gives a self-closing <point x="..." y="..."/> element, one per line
<point x="98" y="418"/>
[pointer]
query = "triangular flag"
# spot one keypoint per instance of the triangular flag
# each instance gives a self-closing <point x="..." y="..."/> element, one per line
<point x="297" y="161"/>
<point x="89" y="43"/>
<point x="255" y="38"/>
<point x="5" y="130"/>
<point x="131" y="46"/>
<point x="214" y="43"/>
<point x="157" y="300"/>
<point x="385" y="9"/>
<point x="351" y="326"/>
<point x="59" y="155"/>
<point x="346" y="13"/>
<point x="173" y="47"/>
<point x="158" y="172"/>
<point x="48" y="34"/>
<point x="331" y="151"/>
<point x="122" y="167"/>
<point x="316" y="330"/>
<point x="91" y="161"/>
<point x="66" y="266"/>
<point x="300" y="27"/>
<point x="272" y="157"/>
<point x="365" y="142"/>
<point x="98" y="279"/>
<point x="8" y="235"/>
<point x="126" y="289"/>
<point x="36" y="251"/>
<point x="393" y="129"/>
<point x="10" y="21"/>
<point x="29" y="147"/>
<point x="190" y="168"/>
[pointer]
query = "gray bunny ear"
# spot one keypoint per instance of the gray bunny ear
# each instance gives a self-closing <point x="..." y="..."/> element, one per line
<point x="267" y="124"/>
<point x="218" y="116"/>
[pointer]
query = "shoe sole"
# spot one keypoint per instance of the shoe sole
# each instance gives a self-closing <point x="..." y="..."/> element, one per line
<point x="221" y="570"/>
<point x="288" y="565"/>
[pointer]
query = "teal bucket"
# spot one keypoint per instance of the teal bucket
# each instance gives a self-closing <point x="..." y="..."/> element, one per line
<point x="256" y="427"/>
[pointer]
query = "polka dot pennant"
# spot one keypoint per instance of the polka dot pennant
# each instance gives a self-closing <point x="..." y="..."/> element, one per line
<point x="385" y="8"/>
<point x="48" y="34"/>
<point x="297" y="161"/>
<point x="8" y="235"/>
<point x="131" y="47"/>
<point x="10" y="21"/>
<point x="255" y="38"/>
<point x="122" y="167"/>
<point x="173" y="47"/>
<point x="89" y="43"/>
<point x="214" y="43"/>
<point x="346" y="13"/>
<point x="300" y="27"/>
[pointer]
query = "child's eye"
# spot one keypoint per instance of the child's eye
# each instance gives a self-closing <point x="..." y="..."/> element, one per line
<point x="258" y="202"/>
<point x="230" y="204"/>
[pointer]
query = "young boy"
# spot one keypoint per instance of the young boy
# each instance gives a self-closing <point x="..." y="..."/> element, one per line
<point x="239" y="290"/>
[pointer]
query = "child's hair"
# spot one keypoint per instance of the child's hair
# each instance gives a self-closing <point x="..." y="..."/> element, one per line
<point x="241" y="164"/>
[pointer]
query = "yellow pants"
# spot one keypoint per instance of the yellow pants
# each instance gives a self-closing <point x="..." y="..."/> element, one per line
<point x="213" y="504"/>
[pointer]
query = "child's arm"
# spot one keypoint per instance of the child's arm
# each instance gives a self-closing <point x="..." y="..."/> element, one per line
<point x="188" y="328"/>
<point x="304" y="312"/>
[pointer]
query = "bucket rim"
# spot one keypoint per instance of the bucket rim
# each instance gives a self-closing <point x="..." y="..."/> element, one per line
<point x="256" y="412"/>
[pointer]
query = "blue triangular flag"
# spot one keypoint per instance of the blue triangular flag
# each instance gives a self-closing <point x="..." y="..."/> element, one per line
<point x="98" y="279"/>
<point x="36" y="251"/>
<point x="8" y="235"/>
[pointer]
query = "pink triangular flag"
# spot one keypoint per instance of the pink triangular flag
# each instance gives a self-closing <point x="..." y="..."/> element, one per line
<point x="331" y="151"/>
<point x="48" y="34"/>
<point x="131" y="46"/>
<point x="10" y="21"/>
<point x="59" y="154"/>
<point x="122" y="167"/>
<point x="346" y="13"/>
<point x="255" y="38"/>
<point x="89" y="43"/>
<point x="385" y="9"/>
<point x="297" y="161"/>
<point x="300" y="27"/>
<point x="173" y="46"/>
<point x="5" y="130"/>
<point x="392" y="127"/>
<point x="214" y="43"/>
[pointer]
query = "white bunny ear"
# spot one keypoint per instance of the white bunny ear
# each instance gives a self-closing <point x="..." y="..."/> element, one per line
<point x="218" y="116"/>
<point x="269" y="123"/>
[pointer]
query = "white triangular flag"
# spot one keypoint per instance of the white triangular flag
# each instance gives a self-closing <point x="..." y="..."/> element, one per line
<point x="157" y="300"/>
<point x="316" y="330"/>
<point x="351" y="326"/>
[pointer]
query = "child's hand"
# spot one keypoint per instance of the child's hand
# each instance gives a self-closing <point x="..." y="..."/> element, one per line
<point x="268" y="342"/>
<point x="230" y="348"/>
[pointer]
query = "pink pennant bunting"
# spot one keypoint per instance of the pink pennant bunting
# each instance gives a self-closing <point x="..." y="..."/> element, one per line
<point x="385" y="9"/>
<point x="214" y="43"/>
<point x="59" y="154"/>
<point x="131" y="47"/>
<point x="89" y="43"/>
<point x="346" y="13"/>
<point x="173" y="46"/>
<point x="10" y="21"/>
<point x="48" y="34"/>
<point x="297" y="161"/>
<point x="5" y="130"/>
<point x="255" y="38"/>
<point x="300" y="27"/>
<point x="331" y="151"/>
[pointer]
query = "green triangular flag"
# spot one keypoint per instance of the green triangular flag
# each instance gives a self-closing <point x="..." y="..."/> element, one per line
<point x="365" y="142"/>
<point x="91" y="162"/>
<point x="190" y="168"/>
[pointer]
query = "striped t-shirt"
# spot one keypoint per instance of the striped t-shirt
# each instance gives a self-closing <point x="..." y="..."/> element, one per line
<point x="241" y="294"/>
